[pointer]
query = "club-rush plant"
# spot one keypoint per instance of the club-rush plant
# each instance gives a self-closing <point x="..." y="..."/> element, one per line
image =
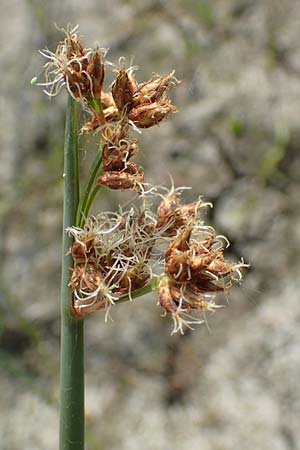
<point x="158" y="243"/>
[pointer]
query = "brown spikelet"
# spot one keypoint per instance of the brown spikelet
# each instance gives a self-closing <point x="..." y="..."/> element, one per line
<point x="116" y="157"/>
<point x="165" y="211"/>
<point x="165" y="298"/>
<point x="95" y="69"/>
<point x="129" y="178"/>
<point x="147" y="115"/>
<point x="123" y="91"/>
<point x="153" y="90"/>
<point x="85" y="276"/>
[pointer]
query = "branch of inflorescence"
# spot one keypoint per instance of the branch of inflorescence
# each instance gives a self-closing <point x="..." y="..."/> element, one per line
<point x="152" y="286"/>
<point x="90" y="190"/>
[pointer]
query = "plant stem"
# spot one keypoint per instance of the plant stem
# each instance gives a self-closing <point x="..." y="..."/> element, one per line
<point x="152" y="286"/>
<point x="85" y="200"/>
<point x="89" y="202"/>
<point x="72" y="355"/>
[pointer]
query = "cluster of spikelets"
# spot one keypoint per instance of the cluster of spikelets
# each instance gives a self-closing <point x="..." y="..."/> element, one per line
<point x="113" y="256"/>
<point x="125" y="105"/>
<point x="116" y="254"/>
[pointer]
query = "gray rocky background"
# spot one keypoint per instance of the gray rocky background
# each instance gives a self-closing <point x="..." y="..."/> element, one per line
<point x="235" y="140"/>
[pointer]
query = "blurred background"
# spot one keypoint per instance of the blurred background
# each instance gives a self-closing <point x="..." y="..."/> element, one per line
<point x="236" y="141"/>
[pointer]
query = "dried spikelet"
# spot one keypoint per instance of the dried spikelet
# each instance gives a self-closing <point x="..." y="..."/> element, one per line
<point x="77" y="68"/>
<point x="123" y="90"/>
<point x="116" y="156"/>
<point x="147" y="115"/>
<point x="129" y="178"/>
<point x="154" y="89"/>
<point x="195" y="269"/>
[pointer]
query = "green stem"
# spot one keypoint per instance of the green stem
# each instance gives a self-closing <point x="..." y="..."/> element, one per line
<point x="85" y="201"/>
<point x="89" y="202"/>
<point x="152" y="286"/>
<point x="72" y="355"/>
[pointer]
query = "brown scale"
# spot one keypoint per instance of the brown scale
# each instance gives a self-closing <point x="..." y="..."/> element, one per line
<point x="180" y="298"/>
<point x="199" y="263"/>
<point x="74" y="47"/>
<point x="172" y="294"/>
<point x="95" y="69"/>
<point x="85" y="276"/>
<point x="111" y="114"/>
<point x="203" y="247"/>
<point x="81" y="250"/>
<point x="78" y="83"/>
<point x="165" y="298"/>
<point x="181" y="242"/>
<point x="220" y="266"/>
<point x="183" y="214"/>
<point x="132" y="84"/>
<point x="203" y="286"/>
<point x="177" y="265"/>
<point x="176" y="293"/>
<point x="115" y="157"/>
<point x="194" y="296"/>
<point x="165" y="211"/>
<point x="97" y="120"/>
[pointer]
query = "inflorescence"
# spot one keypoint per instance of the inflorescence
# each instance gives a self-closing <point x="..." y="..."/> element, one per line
<point x="116" y="255"/>
<point x="124" y="106"/>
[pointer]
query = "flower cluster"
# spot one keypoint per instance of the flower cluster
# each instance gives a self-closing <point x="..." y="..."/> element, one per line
<point x="114" y="255"/>
<point x="195" y="268"/>
<point x="129" y="105"/>
<point x="124" y="105"/>
<point x="79" y="69"/>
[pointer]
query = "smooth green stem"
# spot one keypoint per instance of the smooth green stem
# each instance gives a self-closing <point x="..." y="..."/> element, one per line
<point x="152" y="286"/>
<point x="89" y="202"/>
<point x="72" y="355"/>
<point x="85" y="201"/>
